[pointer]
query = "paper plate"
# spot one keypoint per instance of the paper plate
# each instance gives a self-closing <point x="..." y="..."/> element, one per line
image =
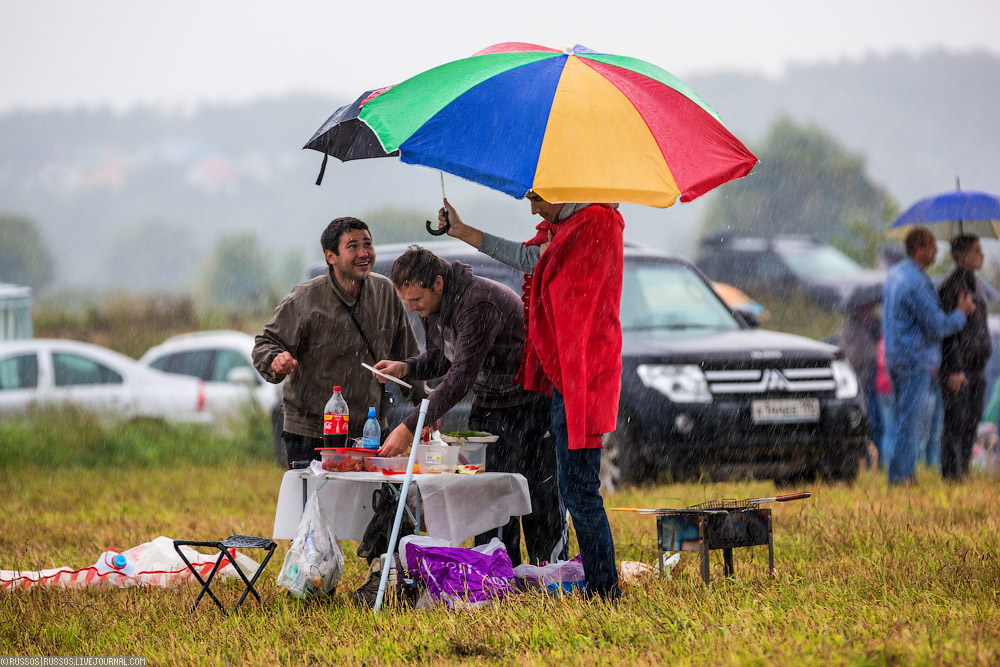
<point x="475" y="438"/>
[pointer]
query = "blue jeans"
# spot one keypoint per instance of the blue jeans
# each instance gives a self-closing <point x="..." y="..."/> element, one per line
<point x="930" y="449"/>
<point x="910" y="420"/>
<point x="579" y="485"/>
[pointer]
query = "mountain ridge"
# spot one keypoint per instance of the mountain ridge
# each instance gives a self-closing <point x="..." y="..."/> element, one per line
<point x="95" y="180"/>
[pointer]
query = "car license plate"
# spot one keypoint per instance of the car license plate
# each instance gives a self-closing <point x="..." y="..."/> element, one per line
<point x="785" y="410"/>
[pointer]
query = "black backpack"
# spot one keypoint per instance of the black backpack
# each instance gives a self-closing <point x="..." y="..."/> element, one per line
<point x="376" y="538"/>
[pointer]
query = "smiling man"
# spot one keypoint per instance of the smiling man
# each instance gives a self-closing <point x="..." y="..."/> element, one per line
<point x="324" y="329"/>
<point x="485" y="321"/>
<point x="914" y="324"/>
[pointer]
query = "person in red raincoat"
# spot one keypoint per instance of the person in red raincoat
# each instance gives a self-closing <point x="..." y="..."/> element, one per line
<point x="572" y="350"/>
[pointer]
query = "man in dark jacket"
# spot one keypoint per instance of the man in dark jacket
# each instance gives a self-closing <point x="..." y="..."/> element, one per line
<point x="963" y="358"/>
<point x="486" y="323"/>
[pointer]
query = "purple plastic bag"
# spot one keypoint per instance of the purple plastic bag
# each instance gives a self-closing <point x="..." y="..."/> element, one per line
<point x="462" y="577"/>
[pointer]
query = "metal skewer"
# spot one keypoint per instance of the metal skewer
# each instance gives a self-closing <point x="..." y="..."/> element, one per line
<point x="719" y="505"/>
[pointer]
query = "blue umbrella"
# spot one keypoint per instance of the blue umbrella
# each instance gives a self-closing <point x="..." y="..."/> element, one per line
<point x="951" y="214"/>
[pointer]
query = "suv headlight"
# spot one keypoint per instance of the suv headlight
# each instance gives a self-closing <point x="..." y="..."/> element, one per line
<point x="681" y="384"/>
<point x="844" y="378"/>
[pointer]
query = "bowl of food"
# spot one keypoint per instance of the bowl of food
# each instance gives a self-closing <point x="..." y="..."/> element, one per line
<point x="437" y="458"/>
<point x="471" y="446"/>
<point x="343" y="459"/>
<point x="386" y="464"/>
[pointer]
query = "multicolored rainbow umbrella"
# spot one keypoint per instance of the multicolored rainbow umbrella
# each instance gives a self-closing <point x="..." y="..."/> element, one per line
<point x="572" y="125"/>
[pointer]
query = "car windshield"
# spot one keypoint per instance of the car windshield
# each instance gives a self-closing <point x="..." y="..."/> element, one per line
<point x="665" y="295"/>
<point x="818" y="261"/>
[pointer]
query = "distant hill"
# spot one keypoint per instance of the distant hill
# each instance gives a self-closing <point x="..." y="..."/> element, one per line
<point x="134" y="200"/>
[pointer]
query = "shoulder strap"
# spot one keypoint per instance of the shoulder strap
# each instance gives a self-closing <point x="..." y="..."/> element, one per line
<point x="371" y="351"/>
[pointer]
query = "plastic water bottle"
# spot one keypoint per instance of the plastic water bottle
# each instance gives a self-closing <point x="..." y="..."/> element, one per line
<point x="112" y="561"/>
<point x="372" y="436"/>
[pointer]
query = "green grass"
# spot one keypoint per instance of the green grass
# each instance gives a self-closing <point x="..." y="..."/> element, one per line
<point x="62" y="436"/>
<point x="865" y="575"/>
<point x="131" y="323"/>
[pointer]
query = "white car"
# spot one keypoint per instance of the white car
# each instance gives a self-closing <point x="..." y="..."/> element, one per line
<point x="47" y="371"/>
<point x="219" y="358"/>
<point x="215" y="357"/>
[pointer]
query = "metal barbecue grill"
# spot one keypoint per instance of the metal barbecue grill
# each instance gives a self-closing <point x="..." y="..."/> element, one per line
<point x="724" y="524"/>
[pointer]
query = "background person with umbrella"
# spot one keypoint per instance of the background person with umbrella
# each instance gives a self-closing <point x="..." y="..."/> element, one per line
<point x="859" y="338"/>
<point x="914" y="324"/>
<point x="958" y="216"/>
<point x="963" y="360"/>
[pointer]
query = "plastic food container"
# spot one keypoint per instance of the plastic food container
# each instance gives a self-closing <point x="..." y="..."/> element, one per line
<point x="437" y="458"/>
<point x="343" y="459"/>
<point x="386" y="463"/>
<point x="472" y="454"/>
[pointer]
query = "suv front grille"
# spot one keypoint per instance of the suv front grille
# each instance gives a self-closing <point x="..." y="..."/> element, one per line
<point x="760" y="381"/>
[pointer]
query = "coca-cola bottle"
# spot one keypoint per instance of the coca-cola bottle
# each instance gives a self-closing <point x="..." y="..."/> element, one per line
<point x="335" y="421"/>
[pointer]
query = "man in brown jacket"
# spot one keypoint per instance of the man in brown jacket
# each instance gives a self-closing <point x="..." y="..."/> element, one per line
<point x="324" y="329"/>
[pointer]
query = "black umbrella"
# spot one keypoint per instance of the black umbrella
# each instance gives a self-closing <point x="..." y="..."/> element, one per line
<point x="345" y="137"/>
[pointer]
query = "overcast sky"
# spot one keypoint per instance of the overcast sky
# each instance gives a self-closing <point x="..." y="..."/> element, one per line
<point x="180" y="53"/>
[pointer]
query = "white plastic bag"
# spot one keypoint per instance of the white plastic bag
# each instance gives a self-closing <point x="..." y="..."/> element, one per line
<point x="315" y="561"/>
<point x="560" y="577"/>
<point x="421" y="541"/>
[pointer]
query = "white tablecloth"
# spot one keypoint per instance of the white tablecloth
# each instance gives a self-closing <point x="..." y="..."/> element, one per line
<point x="455" y="507"/>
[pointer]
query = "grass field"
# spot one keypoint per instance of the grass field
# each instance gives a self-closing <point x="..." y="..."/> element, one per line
<point x="865" y="575"/>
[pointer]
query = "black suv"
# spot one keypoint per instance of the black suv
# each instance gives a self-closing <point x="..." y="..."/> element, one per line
<point x="787" y="266"/>
<point x="702" y="391"/>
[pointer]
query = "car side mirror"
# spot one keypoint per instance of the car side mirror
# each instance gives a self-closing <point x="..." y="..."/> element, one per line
<point x="242" y="375"/>
<point x="750" y="317"/>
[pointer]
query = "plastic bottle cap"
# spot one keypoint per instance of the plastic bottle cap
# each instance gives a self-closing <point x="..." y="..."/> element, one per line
<point x="336" y="388"/>
<point x="119" y="561"/>
<point x="371" y="412"/>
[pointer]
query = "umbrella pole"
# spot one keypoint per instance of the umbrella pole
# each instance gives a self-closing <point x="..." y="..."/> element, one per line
<point x="401" y="507"/>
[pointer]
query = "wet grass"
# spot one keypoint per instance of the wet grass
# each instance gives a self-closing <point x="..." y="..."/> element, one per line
<point x="131" y="323"/>
<point x="865" y="575"/>
<point x="800" y="315"/>
<point x="66" y="437"/>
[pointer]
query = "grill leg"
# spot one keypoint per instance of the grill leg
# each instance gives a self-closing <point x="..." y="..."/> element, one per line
<point x="770" y="546"/>
<point x="727" y="562"/>
<point x="703" y="544"/>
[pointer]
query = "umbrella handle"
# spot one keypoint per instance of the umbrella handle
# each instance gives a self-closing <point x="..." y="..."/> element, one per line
<point x="440" y="231"/>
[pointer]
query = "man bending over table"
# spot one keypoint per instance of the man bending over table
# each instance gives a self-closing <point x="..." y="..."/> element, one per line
<point x="486" y="323"/>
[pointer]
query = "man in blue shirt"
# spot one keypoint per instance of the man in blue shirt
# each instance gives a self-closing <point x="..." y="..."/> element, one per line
<point x="914" y="324"/>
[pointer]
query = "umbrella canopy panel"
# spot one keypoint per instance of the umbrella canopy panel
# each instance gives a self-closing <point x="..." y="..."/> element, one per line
<point x="345" y="137"/>
<point x="571" y="125"/>
<point x="953" y="213"/>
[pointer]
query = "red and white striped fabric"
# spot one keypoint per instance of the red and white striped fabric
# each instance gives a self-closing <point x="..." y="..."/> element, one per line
<point x="152" y="563"/>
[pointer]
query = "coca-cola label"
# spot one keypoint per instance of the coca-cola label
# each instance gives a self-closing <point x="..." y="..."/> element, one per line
<point x="335" y="424"/>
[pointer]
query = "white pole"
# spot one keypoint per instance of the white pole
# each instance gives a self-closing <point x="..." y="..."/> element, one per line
<point x="401" y="507"/>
